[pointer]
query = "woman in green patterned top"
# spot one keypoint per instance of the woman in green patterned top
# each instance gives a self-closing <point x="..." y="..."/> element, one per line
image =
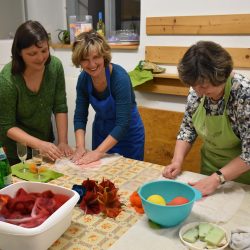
<point x="32" y="88"/>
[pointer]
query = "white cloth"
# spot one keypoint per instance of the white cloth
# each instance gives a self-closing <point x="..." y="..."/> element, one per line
<point x="221" y="205"/>
<point x="63" y="165"/>
<point x="240" y="238"/>
<point x="142" y="237"/>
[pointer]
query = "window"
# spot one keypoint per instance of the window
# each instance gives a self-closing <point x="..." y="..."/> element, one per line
<point x="117" y="14"/>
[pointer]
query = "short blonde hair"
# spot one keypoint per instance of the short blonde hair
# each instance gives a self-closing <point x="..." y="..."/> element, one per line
<point x="87" y="42"/>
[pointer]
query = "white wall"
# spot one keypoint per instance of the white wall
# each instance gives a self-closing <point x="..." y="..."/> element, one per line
<point x="50" y="13"/>
<point x="47" y="11"/>
<point x="5" y="52"/>
<point x="11" y="15"/>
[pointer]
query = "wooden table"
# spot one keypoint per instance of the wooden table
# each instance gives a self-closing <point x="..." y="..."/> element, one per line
<point x="94" y="232"/>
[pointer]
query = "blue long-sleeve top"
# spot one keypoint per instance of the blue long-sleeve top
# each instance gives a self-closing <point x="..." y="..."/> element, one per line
<point x="122" y="92"/>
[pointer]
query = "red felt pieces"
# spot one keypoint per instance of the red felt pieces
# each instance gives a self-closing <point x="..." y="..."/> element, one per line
<point x="101" y="197"/>
<point x="30" y="209"/>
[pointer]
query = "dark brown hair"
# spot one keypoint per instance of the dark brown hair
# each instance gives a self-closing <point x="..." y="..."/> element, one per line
<point x="205" y="61"/>
<point x="28" y="34"/>
<point x="87" y="42"/>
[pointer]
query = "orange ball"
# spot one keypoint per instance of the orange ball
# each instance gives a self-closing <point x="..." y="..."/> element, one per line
<point x="179" y="200"/>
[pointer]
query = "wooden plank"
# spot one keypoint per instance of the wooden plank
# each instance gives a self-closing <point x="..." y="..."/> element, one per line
<point x="173" y="54"/>
<point x="166" y="75"/>
<point x="113" y="46"/>
<point x="164" y="54"/>
<point x="161" y="128"/>
<point x="164" y="86"/>
<point x="235" y="24"/>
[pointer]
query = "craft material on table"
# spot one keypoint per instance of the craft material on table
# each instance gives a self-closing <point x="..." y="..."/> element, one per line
<point x="47" y="174"/>
<point x="143" y="236"/>
<point x="240" y="239"/>
<point x="65" y="164"/>
<point x="229" y="196"/>
<point x="157" y="237"/>
<point x="98" y="232"/>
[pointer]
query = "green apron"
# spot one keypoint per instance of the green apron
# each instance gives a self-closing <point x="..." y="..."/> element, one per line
<point x="220" y="144"/>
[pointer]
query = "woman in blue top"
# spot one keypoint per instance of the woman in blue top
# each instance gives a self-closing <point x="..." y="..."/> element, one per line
<point x="117" y="126"/>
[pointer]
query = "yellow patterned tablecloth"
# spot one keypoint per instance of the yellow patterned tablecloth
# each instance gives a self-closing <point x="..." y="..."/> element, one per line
<point x="95" y="232"/>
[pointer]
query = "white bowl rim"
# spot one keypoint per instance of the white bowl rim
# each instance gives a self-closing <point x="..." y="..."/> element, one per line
<point x="187" y="226"/>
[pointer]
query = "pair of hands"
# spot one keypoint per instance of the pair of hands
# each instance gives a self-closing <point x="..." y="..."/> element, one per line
<point x="79" y="157"/>
<point x="53" y="152"/>
<point x="206" y="185"/>
<point x="82" y="156"/>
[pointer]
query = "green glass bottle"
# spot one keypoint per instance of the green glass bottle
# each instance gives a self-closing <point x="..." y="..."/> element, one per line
<point x="5" y="169"/>
<point x="100" y="27"/>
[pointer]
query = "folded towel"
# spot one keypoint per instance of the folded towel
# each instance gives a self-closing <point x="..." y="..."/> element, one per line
<point x="47" y="175"/>
<point x="139" y="76"/>
<point x="240" y="239"/>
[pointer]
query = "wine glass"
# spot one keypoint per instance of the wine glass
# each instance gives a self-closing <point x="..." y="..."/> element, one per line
<point x="37" y="158"/>
<point x="22" y="154"/>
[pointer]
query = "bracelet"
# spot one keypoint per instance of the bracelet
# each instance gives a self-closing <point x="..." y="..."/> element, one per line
<point x="221" y="177"/>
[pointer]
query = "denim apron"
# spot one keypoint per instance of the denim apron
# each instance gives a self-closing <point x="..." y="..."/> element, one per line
<point x="220" y="144"/>
<point x="132" y="144"/>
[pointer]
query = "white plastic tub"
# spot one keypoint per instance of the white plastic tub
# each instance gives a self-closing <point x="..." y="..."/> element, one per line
<point x="14" y="237"/>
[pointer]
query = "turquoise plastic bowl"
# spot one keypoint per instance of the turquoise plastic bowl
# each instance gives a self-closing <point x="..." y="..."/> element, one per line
<point x="168" y="216"/>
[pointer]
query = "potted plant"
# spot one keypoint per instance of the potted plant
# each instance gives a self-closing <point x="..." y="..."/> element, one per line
<point x="63" y="36"/>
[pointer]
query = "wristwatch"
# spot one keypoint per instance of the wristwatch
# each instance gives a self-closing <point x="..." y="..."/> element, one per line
<point x="221" y="177"/>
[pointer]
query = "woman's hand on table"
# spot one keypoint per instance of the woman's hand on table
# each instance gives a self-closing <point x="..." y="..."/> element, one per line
<point x="89" y="157"/>
<point x="65" y="149"/>
<point x="50" y="150"/>
<point x="172" y="170"/>
<point x="207" y="185"/>
<point x="78" y="154"/>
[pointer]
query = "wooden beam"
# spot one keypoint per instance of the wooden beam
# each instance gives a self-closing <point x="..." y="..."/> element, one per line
<point x="173" y="54"/>
<point x="235" y="24"/>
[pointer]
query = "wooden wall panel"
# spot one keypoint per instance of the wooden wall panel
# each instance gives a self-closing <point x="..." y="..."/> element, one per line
<point x="173" y="54"/>
<point x="161" y="128"/>
<point x="236" y="24"/>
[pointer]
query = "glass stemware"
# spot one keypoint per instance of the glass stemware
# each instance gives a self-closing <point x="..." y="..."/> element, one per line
<point x="22" y="154"/>
<point x="37" y="159"/>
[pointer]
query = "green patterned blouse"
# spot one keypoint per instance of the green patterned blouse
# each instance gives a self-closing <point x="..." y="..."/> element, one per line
<point x="31" y="112"/>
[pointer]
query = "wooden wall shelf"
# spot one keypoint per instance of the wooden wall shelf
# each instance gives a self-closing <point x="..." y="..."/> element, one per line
<point x="113" y="46"/>
<point x="168" y="84"/>
<point x="236" y="24"/>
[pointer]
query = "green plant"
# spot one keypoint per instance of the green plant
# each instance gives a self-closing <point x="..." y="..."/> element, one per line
<point x="63" y="36"/>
